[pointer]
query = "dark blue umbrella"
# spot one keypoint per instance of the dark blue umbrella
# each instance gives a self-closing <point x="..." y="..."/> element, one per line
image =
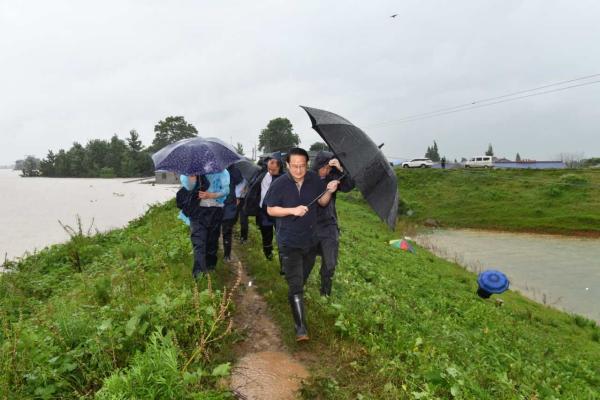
<point x="195" y="156"/>
<point x="490" y="282"/>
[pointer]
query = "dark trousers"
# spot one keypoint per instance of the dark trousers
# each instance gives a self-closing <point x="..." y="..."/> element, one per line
<point x="227" y="231"/>
<point x="328" y="249"/>
<point x="243" y="222"/>
<point x="205" y="230"/>
<point x="266" y="231"/>
<point x="296" y="264"/>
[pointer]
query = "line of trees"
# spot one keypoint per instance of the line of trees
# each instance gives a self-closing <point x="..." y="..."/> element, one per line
<point x="111" y="158"/>
<point x="100" y="158"/>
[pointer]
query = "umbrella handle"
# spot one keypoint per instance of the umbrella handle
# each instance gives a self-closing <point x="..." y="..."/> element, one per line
<point x="321" y="195"/>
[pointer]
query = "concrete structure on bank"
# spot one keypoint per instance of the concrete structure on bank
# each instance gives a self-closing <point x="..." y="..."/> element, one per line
<point x="166" y="178"/>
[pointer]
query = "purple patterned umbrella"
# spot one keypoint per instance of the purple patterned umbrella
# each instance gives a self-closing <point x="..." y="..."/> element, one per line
<point x="195" y="156"/>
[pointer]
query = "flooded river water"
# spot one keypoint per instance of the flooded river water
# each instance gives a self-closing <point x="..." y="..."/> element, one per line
<point x="557" y="270"/>
<point x="30" y="208"/>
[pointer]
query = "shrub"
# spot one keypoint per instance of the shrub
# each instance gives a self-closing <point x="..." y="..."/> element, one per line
<point x="153" y="374"/>
<point x="573" y="180"/>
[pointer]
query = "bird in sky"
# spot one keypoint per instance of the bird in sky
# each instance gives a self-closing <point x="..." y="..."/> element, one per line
<point x="393" y="15"/>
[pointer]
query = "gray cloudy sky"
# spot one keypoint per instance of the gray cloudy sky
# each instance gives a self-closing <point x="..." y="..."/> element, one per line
<point x="80" y="70"/>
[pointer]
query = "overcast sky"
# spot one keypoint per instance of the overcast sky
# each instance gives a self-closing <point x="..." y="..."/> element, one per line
<point x="80" y="70"/>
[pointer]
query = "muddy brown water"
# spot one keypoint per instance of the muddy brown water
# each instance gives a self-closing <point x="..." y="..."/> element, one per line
<point x="30" y="208"/>
<point x="265" y="369"/>
<point x="560" y="271"/>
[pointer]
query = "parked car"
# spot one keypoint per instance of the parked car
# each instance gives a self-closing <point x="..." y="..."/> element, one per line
<point x="481" y="161"/>
<point x="418" y="163"/>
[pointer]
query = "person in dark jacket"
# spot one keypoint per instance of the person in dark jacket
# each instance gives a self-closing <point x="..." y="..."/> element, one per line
<point x="241" y="192"/>
<point x="255" y="198"/>
<point x="292" y="200"/>
<point x="329" y="168"/>
<point x="230" y="210"/>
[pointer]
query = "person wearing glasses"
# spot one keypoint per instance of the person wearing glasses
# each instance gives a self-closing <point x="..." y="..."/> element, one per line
<point x="291" y="200"/>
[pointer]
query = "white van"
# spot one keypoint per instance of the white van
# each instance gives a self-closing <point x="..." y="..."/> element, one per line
<point x="482" y="161"/>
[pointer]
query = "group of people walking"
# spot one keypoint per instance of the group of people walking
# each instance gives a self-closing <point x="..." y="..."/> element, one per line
<point x="296" y="206"/>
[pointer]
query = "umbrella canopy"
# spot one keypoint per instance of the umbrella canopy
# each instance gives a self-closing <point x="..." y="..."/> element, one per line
<point x="491" y="281"/>
<point x="195" y="156"/>
<point x="363" y="160"/>
<point x="248" y="168"/>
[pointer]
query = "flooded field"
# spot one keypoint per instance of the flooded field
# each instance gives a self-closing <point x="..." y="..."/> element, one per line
<point x="557" y="270"/>
<point x="30" y="208"/>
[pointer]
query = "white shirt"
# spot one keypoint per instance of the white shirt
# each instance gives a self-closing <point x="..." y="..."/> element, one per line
<point x="264" y="187"/>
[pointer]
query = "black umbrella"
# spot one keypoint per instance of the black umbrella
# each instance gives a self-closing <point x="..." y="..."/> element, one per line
<point x="247" y="168"/>
<point x="363" y="160"/>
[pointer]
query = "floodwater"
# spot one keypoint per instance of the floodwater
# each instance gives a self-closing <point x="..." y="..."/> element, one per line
<point x="30" y="208"/>
<point x="560" y="271"/>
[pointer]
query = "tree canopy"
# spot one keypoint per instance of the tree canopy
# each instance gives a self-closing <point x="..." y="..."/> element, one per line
<point x="490" y="150"/>
<point x="100" y="158"/>
<point x="319" y="146"/>
<point x="171" y="130"/>
<point x="239" y="148"/>
<point x="432" y="152"/>
<point x="278" y="136"/>
<point x="30" y="166"/>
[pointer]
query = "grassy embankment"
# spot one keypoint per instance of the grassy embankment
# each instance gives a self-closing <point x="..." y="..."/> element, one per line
<point x="548" y="201"/>
<point x="116" y="316"/>
<point x="402" y="325"/>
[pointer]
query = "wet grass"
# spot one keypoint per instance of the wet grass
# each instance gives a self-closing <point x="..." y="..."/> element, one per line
<point x="549" y="201"/>
<point x="402" y="325"/>
<point x="114" y="315"/>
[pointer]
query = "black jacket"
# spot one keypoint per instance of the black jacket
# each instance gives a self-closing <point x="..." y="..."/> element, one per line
<point x="252" y="201"/>
<point x="187" y="200"/>
<point x="327" y="216"/>
<point x="230" y="208"/>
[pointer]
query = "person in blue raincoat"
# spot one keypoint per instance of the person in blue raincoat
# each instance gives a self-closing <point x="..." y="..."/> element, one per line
<point x="203" y="205"/>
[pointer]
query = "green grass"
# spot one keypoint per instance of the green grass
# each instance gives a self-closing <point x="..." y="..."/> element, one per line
<point x="550" y="201"/>
<point x="116" y="315"/>
<point x="402" y="325"/>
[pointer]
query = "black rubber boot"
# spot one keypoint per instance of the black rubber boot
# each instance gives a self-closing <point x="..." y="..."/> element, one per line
<point x="268" y="251"/>
<point x="326" y="286"/>
<point x="227" y="249"/>
<point x="297" y="304"/>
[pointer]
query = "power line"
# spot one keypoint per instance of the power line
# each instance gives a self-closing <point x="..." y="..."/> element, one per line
<point x="489" y="101"/>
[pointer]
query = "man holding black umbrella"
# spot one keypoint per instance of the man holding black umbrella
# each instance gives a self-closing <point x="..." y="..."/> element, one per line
<point x="329" y="168"/>
<point x="292" y="200"/>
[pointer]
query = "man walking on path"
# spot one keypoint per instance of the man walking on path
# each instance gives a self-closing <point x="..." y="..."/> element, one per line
<point x="255" y="202"/>
<point x="328" y="233"/>
<point x="288" y="201"/>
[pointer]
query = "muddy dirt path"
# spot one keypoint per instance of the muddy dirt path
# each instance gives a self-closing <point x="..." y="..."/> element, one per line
<point x="265" y="369"/>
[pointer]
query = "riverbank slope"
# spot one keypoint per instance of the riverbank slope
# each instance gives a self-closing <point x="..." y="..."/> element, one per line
<point x="527" y="200"/>
<point x="118" y="314"/>
<point x="115" y="315"/>
<point x="403" y="325"/>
